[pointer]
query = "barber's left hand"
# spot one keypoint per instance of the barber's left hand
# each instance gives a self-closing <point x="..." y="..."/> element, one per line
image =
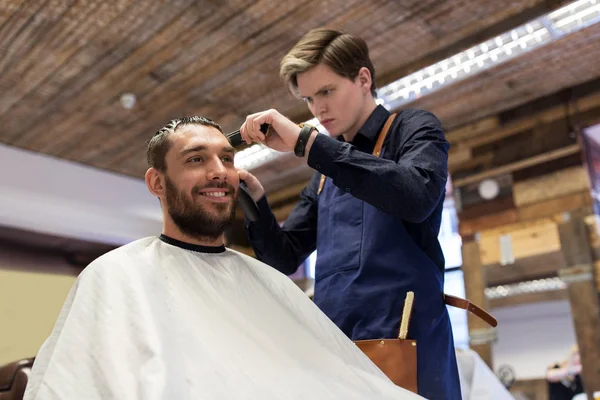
<point x="282" y="135"/>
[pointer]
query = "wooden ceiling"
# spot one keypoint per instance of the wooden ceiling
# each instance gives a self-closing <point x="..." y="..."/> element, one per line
<point x="64" y="64"/>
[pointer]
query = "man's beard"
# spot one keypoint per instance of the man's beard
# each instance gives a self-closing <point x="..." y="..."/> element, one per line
<point x="192" y="218"/>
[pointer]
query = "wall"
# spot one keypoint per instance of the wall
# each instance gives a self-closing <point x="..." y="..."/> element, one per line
<point x="31" y="297"/>
<point x="55" y="196"/>
<point x="532" y="337"/>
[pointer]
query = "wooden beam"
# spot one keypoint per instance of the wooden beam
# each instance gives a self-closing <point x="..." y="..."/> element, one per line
<point x="472" y="130"/>
<point x="544" y="117"/>
<point x="472" y="226"/>
<point x="487" y="207"/>
<point x="547" y="208"/>
<point x="459" y="157"/>
<point x="535" y="238"/>
<point x="583" y="297"/>
<point x="525" y="269"/>
<point x="536" y="171"/>
<point x="535" y="160"/>
<point x="484" y="161"/>
<point x="475" y="284"/>
<point x="528" y="298"/>
<point x="550" y="186"/>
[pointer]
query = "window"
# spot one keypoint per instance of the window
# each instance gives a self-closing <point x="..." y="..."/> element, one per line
<point x="449" y="237"/>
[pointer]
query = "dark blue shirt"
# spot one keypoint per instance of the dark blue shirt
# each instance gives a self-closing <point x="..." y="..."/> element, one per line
<point x="407" y="181"/>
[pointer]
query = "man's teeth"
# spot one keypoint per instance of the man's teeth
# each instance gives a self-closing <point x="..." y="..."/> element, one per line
<point x="215" y="194"/>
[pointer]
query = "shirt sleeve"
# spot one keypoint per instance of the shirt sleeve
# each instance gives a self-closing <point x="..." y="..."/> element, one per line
<point x="408" y="187"/>
<point x="285" y="248"/>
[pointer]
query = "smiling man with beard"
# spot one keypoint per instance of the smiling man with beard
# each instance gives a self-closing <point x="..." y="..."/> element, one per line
<point x="180" y="316"/>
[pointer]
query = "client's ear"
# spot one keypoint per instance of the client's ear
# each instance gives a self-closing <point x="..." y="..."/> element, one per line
<point x="155" y="182"/>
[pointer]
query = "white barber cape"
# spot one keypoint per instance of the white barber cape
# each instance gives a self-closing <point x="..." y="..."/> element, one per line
<point x="161" y="319"/>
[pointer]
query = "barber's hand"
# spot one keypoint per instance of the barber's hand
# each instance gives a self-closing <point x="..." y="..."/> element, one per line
<point x="254" y="187"/>
<point x="282" y="135"/>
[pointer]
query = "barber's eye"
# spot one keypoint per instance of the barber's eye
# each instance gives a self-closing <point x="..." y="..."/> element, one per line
<point x="227" y="159"/>
<point x="195" y="159"/>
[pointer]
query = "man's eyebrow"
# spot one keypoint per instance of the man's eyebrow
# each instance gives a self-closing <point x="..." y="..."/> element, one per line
<point x="192" y="149"/>
<point x="199" y="148"/>
<point x="321" y="89"/>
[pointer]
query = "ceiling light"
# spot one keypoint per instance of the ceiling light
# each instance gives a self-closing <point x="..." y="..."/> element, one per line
<point x="128" y="100"/>
<point x="489" y="189"/>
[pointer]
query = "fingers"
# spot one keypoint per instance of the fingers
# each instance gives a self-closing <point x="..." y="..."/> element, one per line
<point x="250" y="130"/>
<point x="247" y="177"/>
<point x="253" y="184"/>
<point x="243" y="174"/>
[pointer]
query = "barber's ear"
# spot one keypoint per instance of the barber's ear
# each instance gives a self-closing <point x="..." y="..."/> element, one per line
<point x="364" y="78"/>
<point x="155" y="182"/>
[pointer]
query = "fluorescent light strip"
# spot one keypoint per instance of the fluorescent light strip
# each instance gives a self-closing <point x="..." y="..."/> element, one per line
<point x="538" y="32"/>
<point x="536" y="286"/>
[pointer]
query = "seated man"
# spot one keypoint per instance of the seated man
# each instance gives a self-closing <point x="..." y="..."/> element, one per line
<point x="179" y="316"/>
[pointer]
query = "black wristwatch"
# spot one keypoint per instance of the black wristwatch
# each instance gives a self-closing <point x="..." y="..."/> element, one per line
<point x="300" y="147"/>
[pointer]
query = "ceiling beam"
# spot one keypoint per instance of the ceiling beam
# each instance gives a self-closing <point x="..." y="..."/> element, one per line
<point x="529" y="162"/>
<point x="525" y="269"/>
<point x="493" y="134"/>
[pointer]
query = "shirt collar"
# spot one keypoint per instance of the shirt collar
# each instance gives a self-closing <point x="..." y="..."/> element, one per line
<point x="366" y="137"/>
<point x="190" y="246"/>
<point x="374" y="123"/>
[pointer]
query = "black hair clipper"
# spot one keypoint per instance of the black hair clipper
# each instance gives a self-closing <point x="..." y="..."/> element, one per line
<point x="246" y="202"/>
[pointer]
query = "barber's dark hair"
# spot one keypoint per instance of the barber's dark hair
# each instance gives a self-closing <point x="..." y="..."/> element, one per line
<point x="159" y="144"/>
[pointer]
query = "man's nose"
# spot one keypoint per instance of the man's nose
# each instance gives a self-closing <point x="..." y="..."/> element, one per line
<point x="217" y="170"/>
<point x="320" y="108"/>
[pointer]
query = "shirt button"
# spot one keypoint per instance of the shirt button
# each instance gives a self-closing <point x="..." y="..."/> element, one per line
<point x="348" y="189"/>
<point x="318" y="166"/>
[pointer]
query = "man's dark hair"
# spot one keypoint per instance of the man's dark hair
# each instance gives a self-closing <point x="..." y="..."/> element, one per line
<point x="159" y="144"/>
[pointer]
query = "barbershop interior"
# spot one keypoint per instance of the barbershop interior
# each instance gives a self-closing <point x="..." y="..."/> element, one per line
<point x="512" y="88"/>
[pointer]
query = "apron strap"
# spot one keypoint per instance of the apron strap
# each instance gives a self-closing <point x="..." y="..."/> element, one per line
<point x="321" y="184"/>
<point x="474" y="308"/>
<point x="376" y="150"/>
<point x="383" y="134"/>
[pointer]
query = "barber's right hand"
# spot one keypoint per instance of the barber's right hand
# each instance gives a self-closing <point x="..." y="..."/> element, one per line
<point x="254" y="187"/>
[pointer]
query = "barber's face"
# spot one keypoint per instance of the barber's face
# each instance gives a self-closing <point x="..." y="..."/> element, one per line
<point x="336" y="101"/>
<point x="201" y="181"/>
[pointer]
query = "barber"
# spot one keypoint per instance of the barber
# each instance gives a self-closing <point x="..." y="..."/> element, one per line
<point x="372" y="209"/>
